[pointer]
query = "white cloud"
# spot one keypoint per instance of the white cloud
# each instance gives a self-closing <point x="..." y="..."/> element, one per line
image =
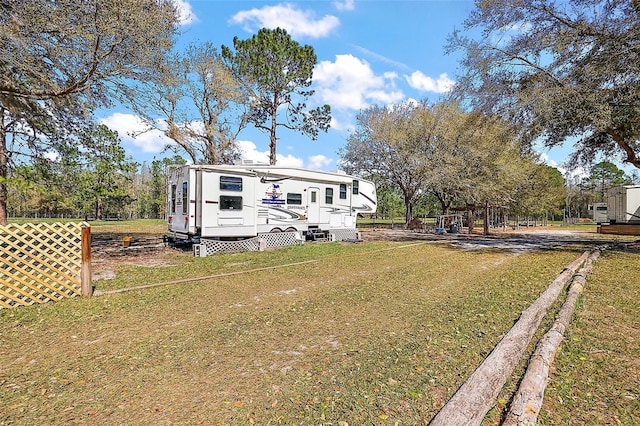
<point x="573" y="174"/>
<point x="342" y="123"/>
<point x="250" y="152"/>
<point x="185" y="13"/>
<point x="152" y="141"/>
<point x="350" y="83"/>
<point x="319" y="162"/>
<point x="424" y="83"/>
<point x="286" y="16"/>
<point x="544" y="157"/>
<point x="289" y="161"/>
<point x="52" y="156"/>
<point x="344" y="5"/>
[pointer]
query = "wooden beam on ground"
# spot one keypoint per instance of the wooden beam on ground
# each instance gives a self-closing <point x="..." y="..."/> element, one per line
<point x="471" y="402"/>
<point x="530" y="395"/>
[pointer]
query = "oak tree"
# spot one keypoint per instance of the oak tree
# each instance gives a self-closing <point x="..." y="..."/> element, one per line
<point x="61" y="59"/>
<point x="561" y="70"/>
<point x="460" y="157"/>
<point x="541" y="190"/>
<point x="388" y="145"/>
<point x="198" y="103"/>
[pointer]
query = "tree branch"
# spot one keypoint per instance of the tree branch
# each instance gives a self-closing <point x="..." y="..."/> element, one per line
<point x="632" y="156"/>
<point x="527" y="62"/>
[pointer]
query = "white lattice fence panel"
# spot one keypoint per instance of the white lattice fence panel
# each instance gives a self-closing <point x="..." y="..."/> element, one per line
<point x="276" y="239"/>
<point x="280" y="239"/>
<point x="344" y="234"/>
<point x="215" y="246"/>
<point x="39" y="263"/>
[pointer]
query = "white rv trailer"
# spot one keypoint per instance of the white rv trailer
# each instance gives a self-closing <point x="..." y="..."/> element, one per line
<point x="623" y="204"/>
<point x="232" y="202"/>
<point x="598" y="212"/>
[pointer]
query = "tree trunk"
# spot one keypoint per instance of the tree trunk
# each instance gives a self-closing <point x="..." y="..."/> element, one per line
<point x="477" y="395"/>
<point x="98" y="208"/>
<point x="529" y="397"/>
<point x="444" y="203"/>
<point x="272" y="141"/>
<point x="632" y="156"/>
<point x="408" y="213"/>
<point x="4" y="174"/>
<point x="486" y="219"/>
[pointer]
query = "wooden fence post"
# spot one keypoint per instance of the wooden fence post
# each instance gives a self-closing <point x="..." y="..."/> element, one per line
<point x="85" y="274"/>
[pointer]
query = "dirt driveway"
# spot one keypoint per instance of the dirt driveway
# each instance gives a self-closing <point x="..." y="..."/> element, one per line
<point x="149" y="250"/>
<point x="520" y="240"/>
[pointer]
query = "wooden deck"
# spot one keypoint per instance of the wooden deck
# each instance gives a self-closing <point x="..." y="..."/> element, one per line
<point x="620" y="229"/>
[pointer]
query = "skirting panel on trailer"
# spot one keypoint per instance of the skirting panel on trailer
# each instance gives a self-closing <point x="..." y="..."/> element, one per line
<point x="344" y="234"/>
<point x="280" y="239"/>
<point x="262" y="241"/>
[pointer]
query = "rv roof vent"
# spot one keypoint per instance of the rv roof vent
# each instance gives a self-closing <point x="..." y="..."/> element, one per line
<point x="246" y="162"/>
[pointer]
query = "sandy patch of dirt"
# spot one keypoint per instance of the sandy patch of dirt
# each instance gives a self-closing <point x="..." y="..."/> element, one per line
<point x="105" y="259"/>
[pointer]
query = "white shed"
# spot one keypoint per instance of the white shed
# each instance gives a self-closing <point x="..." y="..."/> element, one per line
<point x="623" y="204"/>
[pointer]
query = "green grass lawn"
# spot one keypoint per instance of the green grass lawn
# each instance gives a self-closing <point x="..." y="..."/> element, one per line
<point x="369" y="333"/>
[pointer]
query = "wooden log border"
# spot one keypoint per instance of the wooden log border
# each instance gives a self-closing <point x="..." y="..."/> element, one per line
<point x="528" y="399"/>
<point x="473" y="400"/>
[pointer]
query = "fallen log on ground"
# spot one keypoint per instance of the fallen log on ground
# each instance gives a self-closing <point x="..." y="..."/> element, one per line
<point x="472" y="401"/>
<point x="530" y="395"/>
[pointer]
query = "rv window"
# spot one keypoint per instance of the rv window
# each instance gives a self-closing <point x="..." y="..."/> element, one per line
<point x="228" y="202"/>
<point x="343" y="191"/>
<point x="173" y="199"/>
<point x="328" y="196"/>
<point x="230" y="183"/>
<point x="185" y="198"/>
<point x="313" y="197"/>
<point x="354" y="189"/>
<point x="294" y="198"/>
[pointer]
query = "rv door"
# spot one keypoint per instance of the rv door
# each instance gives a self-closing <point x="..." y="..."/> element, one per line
<point x="313" y="206"/>
<point x="181" y="209"/>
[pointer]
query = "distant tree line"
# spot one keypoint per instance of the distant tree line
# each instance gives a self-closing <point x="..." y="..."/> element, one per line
<point x="582" y="191"/>
<point x="574" y="194"/>
<point x="97" y="182"/>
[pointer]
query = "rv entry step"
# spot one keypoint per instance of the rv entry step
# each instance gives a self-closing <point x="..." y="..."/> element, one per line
<point x="316" y="234"/>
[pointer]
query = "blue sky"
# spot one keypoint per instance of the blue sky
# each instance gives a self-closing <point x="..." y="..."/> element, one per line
<point x="369" y="52"/>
